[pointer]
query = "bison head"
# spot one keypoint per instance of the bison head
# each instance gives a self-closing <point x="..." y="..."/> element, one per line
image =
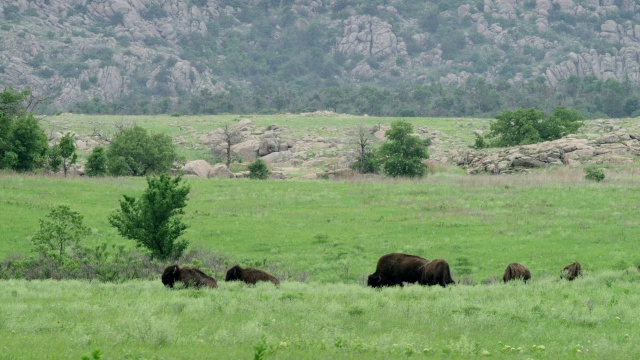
<point x="374" y="280"/>
<point x="170" y="275"/>
<point x="235" y="273"/>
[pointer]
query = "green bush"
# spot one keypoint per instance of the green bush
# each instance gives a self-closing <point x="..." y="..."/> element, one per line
<point x="60" y="229"/>
<point x="258" y="170"/>
<point x="366" y="165"/>
<point x="133" y="152"/>
<point x="594" y="174"/>
<point x="526" y="126"/>
<point x="96" y="162"/>
<point x="402" y="153"/>
<point x="23" y="143"/>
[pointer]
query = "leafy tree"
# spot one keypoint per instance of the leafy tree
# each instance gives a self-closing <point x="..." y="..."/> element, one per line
<point x="68" y="152"/>
<point x="134" y="152"/>
<point x="29" y="143"/>
<point x="97" y="162"/>
<point x="526" y="126"/>
<point x="54" y="160"/>
<point x="258" y="170"/>
<point x="516" y="127"/>
<point x="154" y="219"/>
<point x="23" y="143"/>
<point x="59" y="230"/>
<point x="402" y="153"/>
<point x="561" y="122"/>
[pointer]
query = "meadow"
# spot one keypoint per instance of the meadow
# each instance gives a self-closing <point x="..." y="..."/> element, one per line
<point x="595" y="317"/>
<point x="322" y="238"/>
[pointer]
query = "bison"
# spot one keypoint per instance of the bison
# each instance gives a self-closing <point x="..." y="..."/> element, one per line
<point x="571" y="271"/>
<point x="436" y="272"/>
<point x="396" y="268"/>
<point x="516" y="271"/>
<point x="249" y="275"/>
<point x="188" y="276"/>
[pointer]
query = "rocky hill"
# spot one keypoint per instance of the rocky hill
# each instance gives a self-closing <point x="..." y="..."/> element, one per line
<point x="109" y="50"/>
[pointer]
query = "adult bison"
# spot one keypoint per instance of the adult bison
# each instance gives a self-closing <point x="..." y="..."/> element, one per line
<point x="249" y="275"/>
<point x="396" y="268"/>
<point x="188" y="276"/>
<point x="571" y="271"/>
<point x="516" y="271"/>
<point x="436" y="272"/>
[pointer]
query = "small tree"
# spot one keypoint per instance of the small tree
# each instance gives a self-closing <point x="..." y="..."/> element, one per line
<point x="96" y="162"/>
<point x="402" y="153"/>
<point x="23" y="143"/>
<point x="67" y="152"/>
<point x="59" y="229"/>
<point x="54" y="159"/>
<point x="154" y="219"/>
<point x="258" y="170"/>
<point x="365" y="163"/>
<point x="230" y="137"/>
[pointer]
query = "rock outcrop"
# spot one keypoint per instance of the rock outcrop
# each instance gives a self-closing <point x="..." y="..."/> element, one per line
<point x="615" y="148"/>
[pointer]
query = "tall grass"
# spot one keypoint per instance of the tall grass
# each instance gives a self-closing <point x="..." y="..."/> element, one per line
<point x="595" y="316"/>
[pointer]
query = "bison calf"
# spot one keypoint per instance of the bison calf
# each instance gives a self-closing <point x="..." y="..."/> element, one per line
<point x="436" y="272"/>
<point x="249" y="275"/>
<point x="571" y="271"/>
<point x="396" y="268"/>
<point x="188" y="276"/>
<point x="516" y="271"/>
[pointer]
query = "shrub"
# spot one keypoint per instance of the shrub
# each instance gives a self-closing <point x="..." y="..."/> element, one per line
<point x="59" y="230"/>
<point x="594" y="174"/>
<point x="480" y="142"/>
<point x="154" y="219"/>
<point x="402" y="153"/>
<point x="366" y="165"/>
<point x="526" y="126"/>
<point x="96" y="162"/>
<point x="258" y="170"/>
<point x="134" y="152"/>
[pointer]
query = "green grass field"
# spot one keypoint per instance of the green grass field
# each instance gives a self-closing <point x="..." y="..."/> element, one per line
<point x="335" y="231"/>
<point x="595" y="317"/>
<point x="323" y="238"/>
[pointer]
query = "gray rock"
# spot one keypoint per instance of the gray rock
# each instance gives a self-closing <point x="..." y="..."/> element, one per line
<point x="199" y="168"/>
<point x="220" y="171"/>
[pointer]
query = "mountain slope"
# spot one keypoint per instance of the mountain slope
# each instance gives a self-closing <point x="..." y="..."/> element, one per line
<point x="150" y="50"/>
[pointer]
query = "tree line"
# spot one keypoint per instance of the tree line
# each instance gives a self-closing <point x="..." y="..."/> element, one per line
<point x="477" y="97"/>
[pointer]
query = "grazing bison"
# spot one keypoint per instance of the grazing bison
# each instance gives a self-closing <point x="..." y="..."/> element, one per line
<point x="516" y="271"/>
<point x="436" y="272"/>
<point x="249" y="275"/>
<point x="188" y="276"/>
<point x="395" y="268"/>
<point x="571" y="271"/>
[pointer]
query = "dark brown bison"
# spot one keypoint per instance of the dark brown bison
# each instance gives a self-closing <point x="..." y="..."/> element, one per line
<point x="436" y="272"/>
<point x="395" y="268"/>
<point x="188" y="276"/>
<point x="571" y="271"/>
<point x="249" y="275"/>
<point x="516" y="271"/>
